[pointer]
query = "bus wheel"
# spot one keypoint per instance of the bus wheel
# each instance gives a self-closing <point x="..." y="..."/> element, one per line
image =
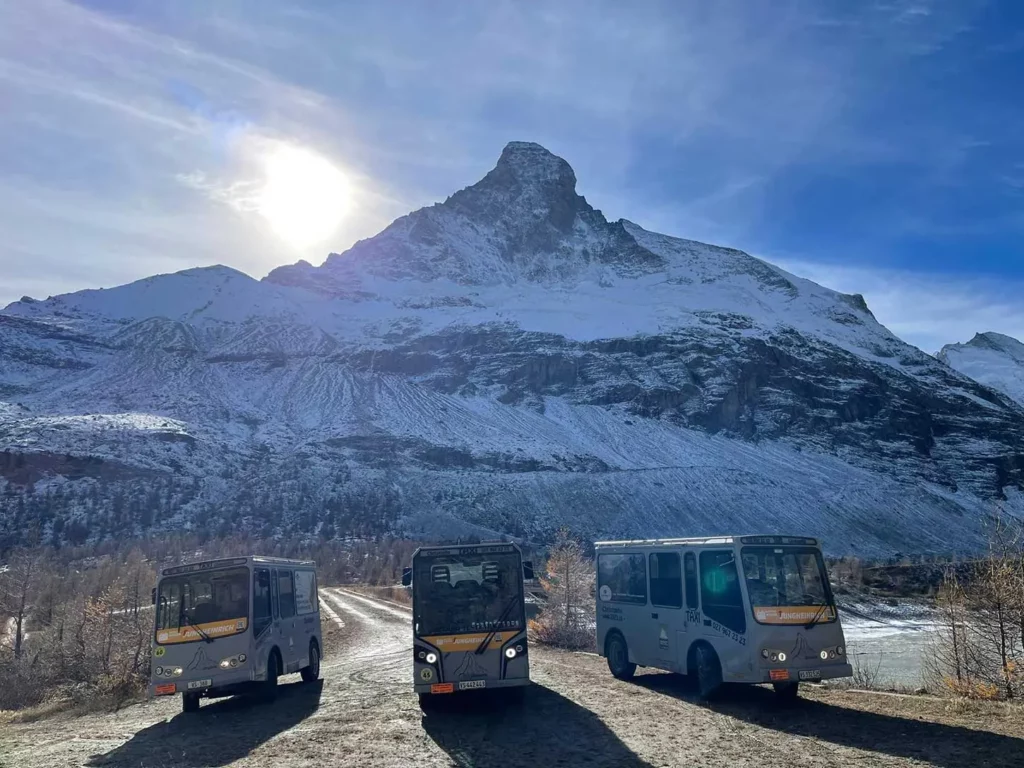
<point x="273" y="671"/>
<point x="787" y="693"/>
<point x="618" y="658"/>
<point x="190" y="702"/>
<point x="312" y="672"/>
<point x="708" y="671"/>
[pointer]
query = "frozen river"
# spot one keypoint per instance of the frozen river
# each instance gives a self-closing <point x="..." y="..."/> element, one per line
<point x="895" y="648"/>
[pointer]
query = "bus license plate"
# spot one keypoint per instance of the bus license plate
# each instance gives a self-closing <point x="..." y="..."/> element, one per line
<point x="200" y="684"/>
<point x="465" y="685"/>
<point x="810" y="674"/>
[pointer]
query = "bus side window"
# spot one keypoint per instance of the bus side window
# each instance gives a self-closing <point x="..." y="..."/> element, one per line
<point x="720" y="590"/>
<point x="666" y="580"/>
<point x="691" y="581"/>
<point x="287" y="595"/>
<point x="261" y="609"/>
<point x="274" y="594"/>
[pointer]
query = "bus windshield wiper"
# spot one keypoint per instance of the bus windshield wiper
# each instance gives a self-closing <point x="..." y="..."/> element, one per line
<point x="814" y="621"/>
<point x="189" y="622"/>
<point x="504" y="615"/>
<point x="201" y="631"/>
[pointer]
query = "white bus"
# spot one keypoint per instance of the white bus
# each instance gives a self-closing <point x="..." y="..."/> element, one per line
<point x="736" y="609"/>
<point x="233" y="626"/>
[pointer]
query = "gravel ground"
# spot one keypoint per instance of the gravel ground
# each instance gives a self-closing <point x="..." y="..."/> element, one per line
<point x="363" y="714"/>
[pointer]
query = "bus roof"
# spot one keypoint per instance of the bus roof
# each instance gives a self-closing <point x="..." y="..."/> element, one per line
<point x="227" y="562"/>
<point x="698" y="541"/>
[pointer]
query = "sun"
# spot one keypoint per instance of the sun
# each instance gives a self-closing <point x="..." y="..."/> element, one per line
<point x="304" y="197"/>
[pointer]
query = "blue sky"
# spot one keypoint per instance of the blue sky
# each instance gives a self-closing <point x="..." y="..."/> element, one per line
<point x="876" y="147"/>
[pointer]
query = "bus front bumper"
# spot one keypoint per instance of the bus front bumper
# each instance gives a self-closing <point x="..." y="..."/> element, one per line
<point x="236" y="680"/>
<point x="807" y="675"/>
<point x="471" y="685"/>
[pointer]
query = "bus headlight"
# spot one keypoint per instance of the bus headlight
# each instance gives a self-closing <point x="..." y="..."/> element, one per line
<point x="840" y="650"/>
<point x="510" y="653"/>
<point x="824" y="655"/>
<point x="431" y="658"/>
<point x="158" y="672"/>
<point x="172" y="671"/>
<point x="232" y="661"/>
<point x="782" y="656"/>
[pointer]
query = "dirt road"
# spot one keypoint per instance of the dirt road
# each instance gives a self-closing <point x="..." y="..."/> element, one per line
<point x="363" y="714"/>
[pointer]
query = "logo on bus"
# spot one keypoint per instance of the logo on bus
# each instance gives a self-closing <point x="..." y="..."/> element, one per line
<point x="605" y="593"/>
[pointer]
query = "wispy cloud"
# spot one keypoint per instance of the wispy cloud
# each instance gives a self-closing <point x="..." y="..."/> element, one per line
<point x="131" y="130"/>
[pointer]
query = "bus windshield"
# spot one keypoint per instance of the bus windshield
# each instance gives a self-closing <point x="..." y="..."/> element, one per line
<point x="455" y="594"/>
<point x="791" y="577"/>
<point x="217" y="602"/>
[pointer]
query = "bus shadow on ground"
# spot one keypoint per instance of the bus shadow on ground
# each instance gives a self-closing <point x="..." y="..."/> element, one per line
<point x="950" y="746"/>
<point x="544" y="728"/>
<point x="221" y="732"/>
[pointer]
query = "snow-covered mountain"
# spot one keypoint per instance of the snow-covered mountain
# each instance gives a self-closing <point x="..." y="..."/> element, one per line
<point x="507" y="360"/>
<point x="997" y="361"/>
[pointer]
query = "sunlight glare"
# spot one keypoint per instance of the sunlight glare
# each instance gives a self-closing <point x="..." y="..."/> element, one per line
<point x="304" y="197"/>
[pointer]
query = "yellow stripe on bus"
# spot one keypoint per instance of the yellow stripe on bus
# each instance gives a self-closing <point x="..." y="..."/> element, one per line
<point x="184" y="634"/>
<point x="468" y="642"/>
<point x="795" y="614"/>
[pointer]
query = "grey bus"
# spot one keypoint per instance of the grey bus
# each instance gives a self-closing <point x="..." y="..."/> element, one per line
<point x="233" y="626"/>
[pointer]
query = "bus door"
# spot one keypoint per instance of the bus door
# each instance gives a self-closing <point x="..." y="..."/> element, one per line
<point x="262" y="615"/>
<point x="622" y="599"/>
<point x="667" y="615"/>
<point x="305" y="612"/>
<point x="724" y="618"/>
<point x="690" y="628"/>
<point x="291" y="651"/>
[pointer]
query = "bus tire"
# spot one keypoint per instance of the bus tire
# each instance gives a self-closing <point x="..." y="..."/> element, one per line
<point x="190" y="702"/>
<point x="312" y="671"/>
<point x="269" y="692"/>
<point x="707" y="669"/>
<point x="787" y="693"/>
<point x="617" y="651"/>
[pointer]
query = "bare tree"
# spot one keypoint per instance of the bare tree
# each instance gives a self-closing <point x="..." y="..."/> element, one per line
<point x="567" y="619"/>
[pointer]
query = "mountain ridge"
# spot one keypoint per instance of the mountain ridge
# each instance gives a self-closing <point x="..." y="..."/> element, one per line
<point x="505" y="361"/>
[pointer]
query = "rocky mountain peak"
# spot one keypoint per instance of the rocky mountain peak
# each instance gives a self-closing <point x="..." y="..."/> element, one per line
<point x="999" y="341"/>
<point x="529" y="184"/>
<point x="994" y="359"/>
<point x="530" y="163"/>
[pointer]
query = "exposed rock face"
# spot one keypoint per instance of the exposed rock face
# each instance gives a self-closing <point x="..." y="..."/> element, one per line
<point x="507" y="360"/>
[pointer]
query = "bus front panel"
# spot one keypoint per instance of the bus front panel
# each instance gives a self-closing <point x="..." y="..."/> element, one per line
<point x="469" y="622"/>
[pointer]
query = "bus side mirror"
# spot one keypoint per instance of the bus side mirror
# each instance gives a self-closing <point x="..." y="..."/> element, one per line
<point x="406" y="577"/>
<point x="152" y="596"/>
<point x="527" y="570"/>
